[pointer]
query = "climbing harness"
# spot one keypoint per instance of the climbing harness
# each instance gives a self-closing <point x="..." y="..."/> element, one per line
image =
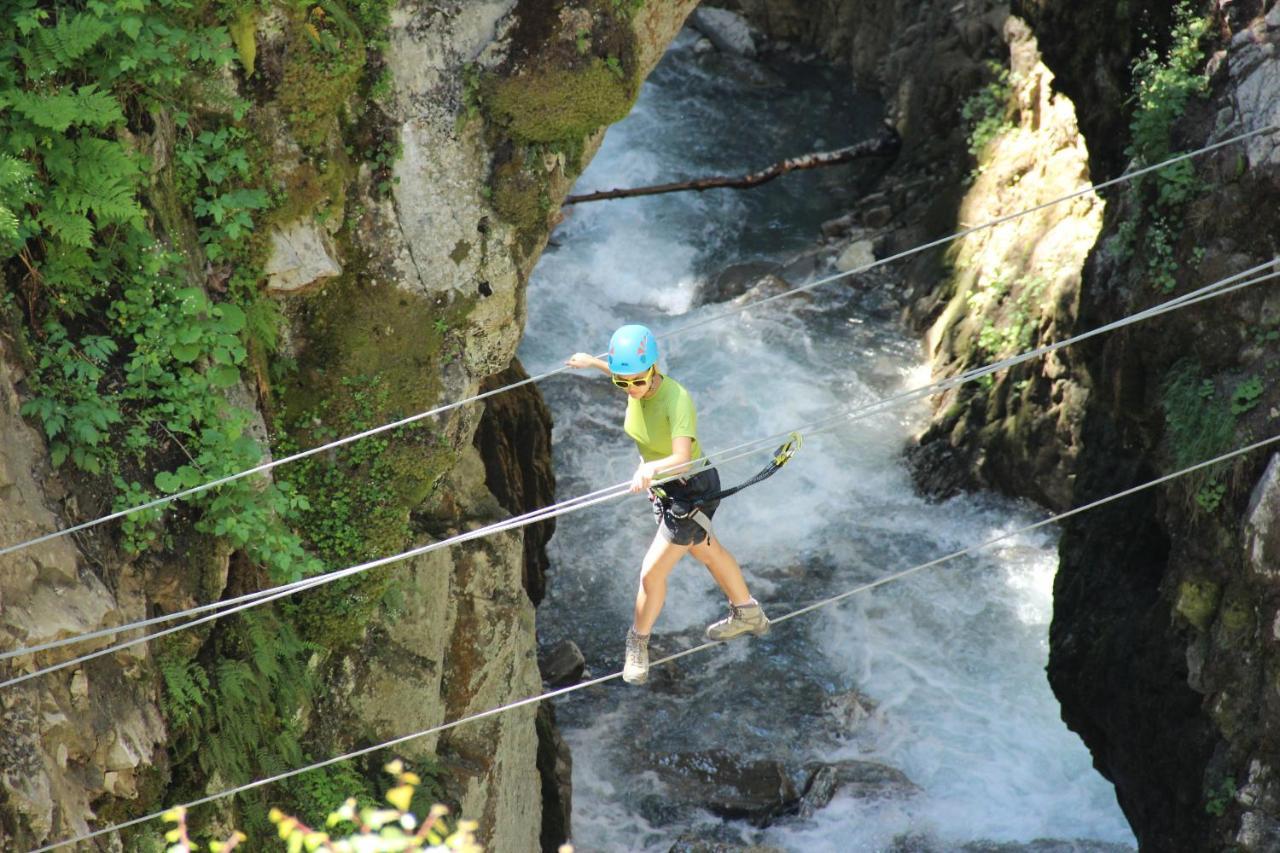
<point x="691" y="508"/>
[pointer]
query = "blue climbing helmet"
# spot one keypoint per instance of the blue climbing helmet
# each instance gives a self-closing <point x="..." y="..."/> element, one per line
<point x="632" y="349"/>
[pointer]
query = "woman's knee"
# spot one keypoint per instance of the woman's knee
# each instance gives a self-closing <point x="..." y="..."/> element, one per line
<point x="708" y="551"/>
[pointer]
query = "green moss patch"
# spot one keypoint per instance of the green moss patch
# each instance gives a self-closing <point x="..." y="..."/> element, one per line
<point x="558" y="105"/>
<point x="1197" y="602"/>
<point x="323" y="63"/>
<point x="373" y="355"/>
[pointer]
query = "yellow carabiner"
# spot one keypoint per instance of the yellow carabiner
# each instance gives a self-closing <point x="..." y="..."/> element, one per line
<point x="783" y="454"/>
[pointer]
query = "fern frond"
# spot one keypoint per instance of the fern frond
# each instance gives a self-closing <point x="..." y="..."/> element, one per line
<point x="58" y="47"/>
<point x="75" y="229"/>
<point x="54" y="111"/>
<point x="234" y="682"/>
<point x="13" y="172"/>
<point x="95" y="176"/>
<point x="186" y="690"/>
<point x="97" y="109"/>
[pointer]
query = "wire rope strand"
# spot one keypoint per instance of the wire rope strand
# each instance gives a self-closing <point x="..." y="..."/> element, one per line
<point x="274" y="463"/>
<point x="582" y="685"/>
<point x="253" y="599"/>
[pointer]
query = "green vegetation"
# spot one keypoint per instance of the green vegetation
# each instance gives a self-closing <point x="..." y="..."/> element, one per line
<point x="1163" y="86"/>
<point x="1198" y="602"/>
<point x="549" y="105"/>
<point x="135" y="191"/>
<point x="1246" y="395"/>
<point x="1010" y="311"/>
<point x="559" y="106"/>
<point x="233" y="710"/>
<point x="1198" y="425"/>
<point x="130" y="362"/>
<point x="324" y="61"/>
<point x="1219" y="798"/>
<point x="986" y="113"/>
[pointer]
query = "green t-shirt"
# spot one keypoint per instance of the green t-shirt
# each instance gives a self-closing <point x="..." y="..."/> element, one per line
<point x="665" y="415"/>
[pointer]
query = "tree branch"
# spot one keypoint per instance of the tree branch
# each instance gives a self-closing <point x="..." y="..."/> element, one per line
<point x="885" y="143"/>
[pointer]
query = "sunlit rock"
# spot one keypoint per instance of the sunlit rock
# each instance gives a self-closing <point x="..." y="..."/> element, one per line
<point x="300" y="256"/>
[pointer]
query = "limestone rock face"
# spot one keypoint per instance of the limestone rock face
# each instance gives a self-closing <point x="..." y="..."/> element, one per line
<point x="300" y="256"/>
<point x="442" y="257"/>
<point x="514" y="439"/>
<point x="1253" y="63"/>
<point x="1165" y="643"/>
<point x="1015" y="287"/>
<point x="463" y="644"/>
<point x="68" y="738"/>
<point x="1262" y="526"/>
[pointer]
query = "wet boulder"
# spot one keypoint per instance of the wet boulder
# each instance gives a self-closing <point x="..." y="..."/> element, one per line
<point x="732" y="786"/>
<point x="727" y="30"/>
<point x="692" y="844"/>
<point x="864" y="780"/>
<point x="732" y="282"/>
<point x="1046" y="845"/>
<point x="848" y="711"/>
<point x="767" y="286"/>
<point x="562" y="664"/>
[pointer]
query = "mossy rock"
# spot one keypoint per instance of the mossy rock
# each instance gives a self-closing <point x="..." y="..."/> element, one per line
<point x="1237" y="618"/>
<point x="558" y="106"/>
<point x="324" y="60"/>
<point x="373" y="355"/>
<point x="308" y="189"/>
<point x="521" y="199"/>
<point x="1197" y="602"/>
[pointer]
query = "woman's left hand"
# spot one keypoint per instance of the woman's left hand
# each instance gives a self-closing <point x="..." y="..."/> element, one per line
<point x="643" y="478"/>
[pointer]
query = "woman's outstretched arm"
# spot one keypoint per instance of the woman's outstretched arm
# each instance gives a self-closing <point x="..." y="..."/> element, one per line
<point x="580" y="360"/>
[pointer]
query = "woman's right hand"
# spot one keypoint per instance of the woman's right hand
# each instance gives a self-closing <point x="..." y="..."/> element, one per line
<point x="580" y="360"/>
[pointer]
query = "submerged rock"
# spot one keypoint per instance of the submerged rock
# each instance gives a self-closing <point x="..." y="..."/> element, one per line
<point x="729" y="785"/>
<point x="732" y="281"/>
<point x="690" y="844"/>
<point x="864" y="780"/>
<point x="926" y="844"/>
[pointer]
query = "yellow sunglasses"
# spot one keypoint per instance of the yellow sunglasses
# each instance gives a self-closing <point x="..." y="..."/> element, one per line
<point x="638" y="382"/>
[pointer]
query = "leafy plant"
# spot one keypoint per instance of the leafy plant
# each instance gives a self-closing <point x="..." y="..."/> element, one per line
<point x="214" y="166"/>
<point x="986" y="111"/>
<point x="1163" y="86"/>
<point x="1199" y="425"/>
<point x="1220" y="797"/>
<point x="1246" y="395"/>
<point x="235" y="715"/>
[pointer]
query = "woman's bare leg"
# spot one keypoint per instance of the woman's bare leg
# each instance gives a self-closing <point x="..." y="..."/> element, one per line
<point x="659" y="560"/>
<point x="724" y="568"/>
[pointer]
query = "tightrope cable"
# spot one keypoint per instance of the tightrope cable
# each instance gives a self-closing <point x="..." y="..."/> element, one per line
<point x="274" y="463"/>
<point x="582" y="685"/>
<point x="219" y="609"/>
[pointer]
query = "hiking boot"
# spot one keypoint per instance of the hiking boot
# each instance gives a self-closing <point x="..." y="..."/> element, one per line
<point x="745" y="619"/>
<point x="636" y="669"/>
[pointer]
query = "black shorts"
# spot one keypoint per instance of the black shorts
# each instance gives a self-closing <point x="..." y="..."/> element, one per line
<point x="686" y="531"/>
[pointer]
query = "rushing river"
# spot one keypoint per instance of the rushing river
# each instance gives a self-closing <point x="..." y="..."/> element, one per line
<point x="948" y="664"/>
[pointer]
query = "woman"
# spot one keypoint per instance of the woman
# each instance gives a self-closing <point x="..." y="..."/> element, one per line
<point x="662" y="421"/>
